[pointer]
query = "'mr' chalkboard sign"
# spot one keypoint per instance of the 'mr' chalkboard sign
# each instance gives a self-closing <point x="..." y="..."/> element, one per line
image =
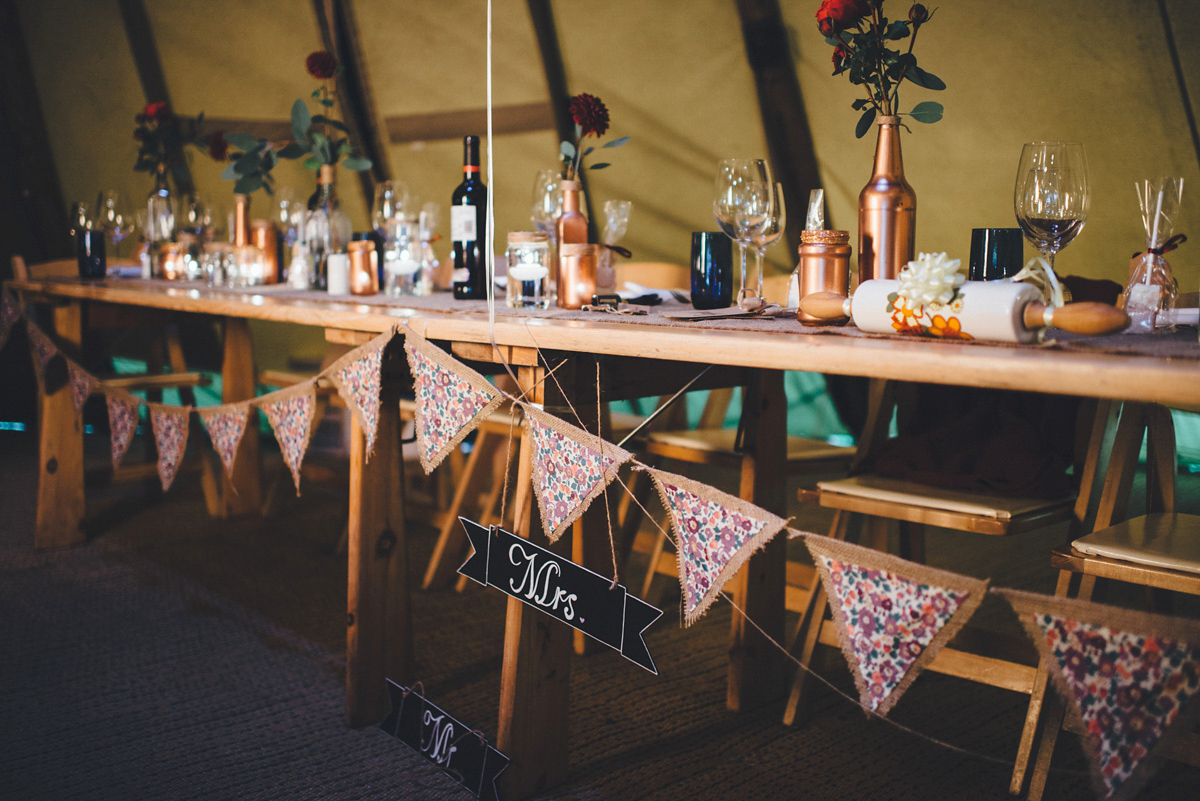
<point x="579" y="597"/>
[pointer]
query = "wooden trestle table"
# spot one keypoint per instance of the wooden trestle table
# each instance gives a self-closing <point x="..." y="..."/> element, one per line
<point x="632" y="359"/>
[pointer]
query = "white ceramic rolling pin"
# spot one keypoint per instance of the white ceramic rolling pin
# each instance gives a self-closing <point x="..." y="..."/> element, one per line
<point x="998" y="311"/>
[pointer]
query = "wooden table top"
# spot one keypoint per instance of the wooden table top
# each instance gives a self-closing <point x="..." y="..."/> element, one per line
<point x="1141" y="377"/>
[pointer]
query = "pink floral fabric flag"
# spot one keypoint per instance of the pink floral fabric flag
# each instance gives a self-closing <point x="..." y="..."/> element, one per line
<point x="225" y="426"/>
<point x="715" y="533"/>
<point x="892" y="616"/>
<point x="43" y="348"/>
<point x="290" y="412"/>
<point x="10" y="312"/>
<point x="356" y="376"/>
<point x="81" y="384"/>
<point x="170" y="424"/>
<point x="451" y="399"/>
<point x="1130" y="680"/>
<point x="122" y="422"/>
<point x="571" y="468"/>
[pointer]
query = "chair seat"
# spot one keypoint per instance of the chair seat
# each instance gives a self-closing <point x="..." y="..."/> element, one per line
<point x="1170" y="541"/>
<point x="723" y="441"/>
<point x="910" y="493"/>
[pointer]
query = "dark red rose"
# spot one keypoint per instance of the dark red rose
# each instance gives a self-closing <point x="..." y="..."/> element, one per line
<point x="157" y="111"/>
<point x="321" y="64"/>
<point x="589" y="113"/>
<point x="839" y="57"/>
<point x="217" y="146"/>
<point x="918" y="14"/>
<point x="835" y="16"/>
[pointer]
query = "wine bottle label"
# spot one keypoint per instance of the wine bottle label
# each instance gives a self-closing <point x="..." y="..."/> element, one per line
<point x="461" y="275"/>
<point x="462" y="223"/>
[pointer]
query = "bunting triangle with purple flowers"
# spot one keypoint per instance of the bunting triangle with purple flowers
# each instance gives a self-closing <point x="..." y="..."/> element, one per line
<point x="715" y="533"/>
<point x="892" y="616"/>
<point x="122" y="422"/>
<point x="1130" y="681"/>
<point x="43" y="348"/>
<point x="451" y="399"/>
<point x="225" y="426"/>
<point x="81" y="384"/>
<point x="170" y="424"/>
<point x="290" y="412"/>
<point x="571" y="468"/>
<point x="356" y="376"/>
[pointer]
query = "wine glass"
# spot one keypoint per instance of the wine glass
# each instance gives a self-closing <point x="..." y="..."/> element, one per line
<point x="113" y="218"/>
<point x="769" y="232"/>
<point x="547" y="202"/>
<point x="1051" y="196"/>
<point x="741" y="203"/>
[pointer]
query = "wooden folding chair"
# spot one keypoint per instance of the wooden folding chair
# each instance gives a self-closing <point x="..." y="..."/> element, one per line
<point x="1159" y="551"/>
<point x="1001" y="662"/>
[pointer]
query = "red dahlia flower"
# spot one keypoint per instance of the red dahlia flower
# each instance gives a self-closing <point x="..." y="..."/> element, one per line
<point x="218" y="148"/>
<point x="321" y="64"/>
<point x="157" y="111"/>
<point x="589" y="113"/>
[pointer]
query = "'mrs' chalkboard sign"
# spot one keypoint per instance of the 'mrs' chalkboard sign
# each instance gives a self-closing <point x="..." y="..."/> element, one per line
<point x="579" y="597"/>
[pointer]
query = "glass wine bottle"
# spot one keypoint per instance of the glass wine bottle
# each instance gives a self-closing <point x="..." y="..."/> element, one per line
<point x="468" y="227"/>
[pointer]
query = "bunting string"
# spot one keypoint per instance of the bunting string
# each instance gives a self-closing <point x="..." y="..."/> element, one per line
<point x="1130" y="679"/>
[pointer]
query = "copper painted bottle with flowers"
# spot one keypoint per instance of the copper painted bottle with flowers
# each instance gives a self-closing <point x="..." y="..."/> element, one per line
<point x="887" y="206"/>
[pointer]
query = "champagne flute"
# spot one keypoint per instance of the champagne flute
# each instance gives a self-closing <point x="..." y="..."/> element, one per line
<point x="769" y="232"/>
<point x="1051" y="196"/>
<point x="741" y="204"/>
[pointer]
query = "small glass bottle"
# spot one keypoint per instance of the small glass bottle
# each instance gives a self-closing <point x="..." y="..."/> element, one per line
<point x="530" y="284"/>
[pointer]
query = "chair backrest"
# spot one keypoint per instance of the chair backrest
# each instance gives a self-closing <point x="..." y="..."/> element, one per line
<point x="654" y="274"/>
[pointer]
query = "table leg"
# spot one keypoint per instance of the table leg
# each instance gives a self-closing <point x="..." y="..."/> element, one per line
<point x="243" y="493"/>
<point x="60" y="501"/>
<point x="379" y="615"/>
<point x="535" y="677"/>
<point x="757" y="670"/>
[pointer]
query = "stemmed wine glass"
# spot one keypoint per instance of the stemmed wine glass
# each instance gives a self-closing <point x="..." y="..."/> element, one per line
<point x="741" y="203"/>
<point x="113" y="218"/>
<point x="547" y="202"/>
<point x="769" y="232"/>
<point x="1051" y="196"/>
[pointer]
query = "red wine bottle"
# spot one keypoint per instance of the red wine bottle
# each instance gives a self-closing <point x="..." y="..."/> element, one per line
<point x="468" y="227"/>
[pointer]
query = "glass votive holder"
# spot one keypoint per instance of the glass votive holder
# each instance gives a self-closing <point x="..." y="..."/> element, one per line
<point x="337" y="274"/>
<point x="214" y="262"/>
<point x="249" y="266"/>
<point x="530" y="285"/>
<point x="402" y="259"/>
<point x="576" y="275"/>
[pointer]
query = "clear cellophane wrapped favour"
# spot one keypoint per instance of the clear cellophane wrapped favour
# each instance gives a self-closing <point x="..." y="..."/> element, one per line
<point x="1151" y="288"/>
<point x="616" y="220"/>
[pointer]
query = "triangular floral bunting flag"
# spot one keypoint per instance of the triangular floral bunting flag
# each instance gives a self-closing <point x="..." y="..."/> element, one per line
<point x="290" y="412"/>
<point x="1129" y="679"/>
<point x="43" y="348"/>
<point x="892" y="616"/>
<point x="225" y="426"/>
<point x="570" y="469"/>
<point x="170" y="425"/>
<point x="81" y="384"/>
<point x="122" y="422"/>
<point x="10" y="312"/>
<point x="356" y="376"/>
<point x="451" y="399"/>
<point x="715" y="533"/>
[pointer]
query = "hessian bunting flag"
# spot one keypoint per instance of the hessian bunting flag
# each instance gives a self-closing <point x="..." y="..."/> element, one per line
<point x="225" y="426"/>
<point x="170" y="425"/>
<point x="356" y="376"/>
<point x="290" y="412"/>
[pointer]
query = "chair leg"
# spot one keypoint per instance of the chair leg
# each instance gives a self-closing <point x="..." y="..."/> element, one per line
<point x="912" y="541"/>
<point x="660" y="541"/>
<point x="1052" y="724"/>
<point x="451" y="539"/>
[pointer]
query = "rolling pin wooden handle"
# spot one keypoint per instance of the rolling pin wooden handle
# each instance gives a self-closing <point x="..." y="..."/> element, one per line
<point x="1078" y="318"/>
<point x="825" y="305"/>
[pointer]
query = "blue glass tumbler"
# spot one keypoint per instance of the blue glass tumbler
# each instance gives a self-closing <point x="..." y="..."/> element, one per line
<point x="89" y="250"/>
<point x="996" y="253"/>
<point x="712" y="270"/>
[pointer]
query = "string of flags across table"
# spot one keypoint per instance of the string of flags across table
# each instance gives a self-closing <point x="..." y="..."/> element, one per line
<point x="1128" y="679"/>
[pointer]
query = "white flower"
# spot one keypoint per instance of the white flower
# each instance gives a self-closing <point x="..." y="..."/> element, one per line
<point x="931" y="278"/>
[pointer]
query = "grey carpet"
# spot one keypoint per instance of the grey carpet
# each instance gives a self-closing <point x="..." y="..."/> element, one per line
<point x="180" y="657"/>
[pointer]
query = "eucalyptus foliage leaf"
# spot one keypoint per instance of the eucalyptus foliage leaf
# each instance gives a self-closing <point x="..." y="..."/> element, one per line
<point x="248" y="184"/>
<point x="242" y="141"/>
<point x="248" y="163"/>
<point x="927" y="112"/>
<point x="567" y="150"/>
<point x="864" y="123"/>
<point x="616" y="142"/>
<point x="311" y="163"/>
<point x="294" y="150"/>
<point x="357" y="163"/>
<point x="301" y="120"/>
<point x="924" y="79"/>
<point x="599" y="166"/>
<point x="230" y="172"/>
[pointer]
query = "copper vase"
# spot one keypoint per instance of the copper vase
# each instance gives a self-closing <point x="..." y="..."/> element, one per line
<point x="887" y="210"/>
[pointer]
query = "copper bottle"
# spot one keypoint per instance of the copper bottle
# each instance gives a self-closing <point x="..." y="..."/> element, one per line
<point x="241" y="220"/>
<point x="887" y="210"/>
<point x="577" y="275"/>
<point x="265" y="237"/>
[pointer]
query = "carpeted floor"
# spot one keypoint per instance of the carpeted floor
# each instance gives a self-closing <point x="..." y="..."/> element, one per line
<point x="176" y="656"/>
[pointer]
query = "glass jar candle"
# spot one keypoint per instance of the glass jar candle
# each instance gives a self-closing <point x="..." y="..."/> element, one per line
<point x="530" y="283"/>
